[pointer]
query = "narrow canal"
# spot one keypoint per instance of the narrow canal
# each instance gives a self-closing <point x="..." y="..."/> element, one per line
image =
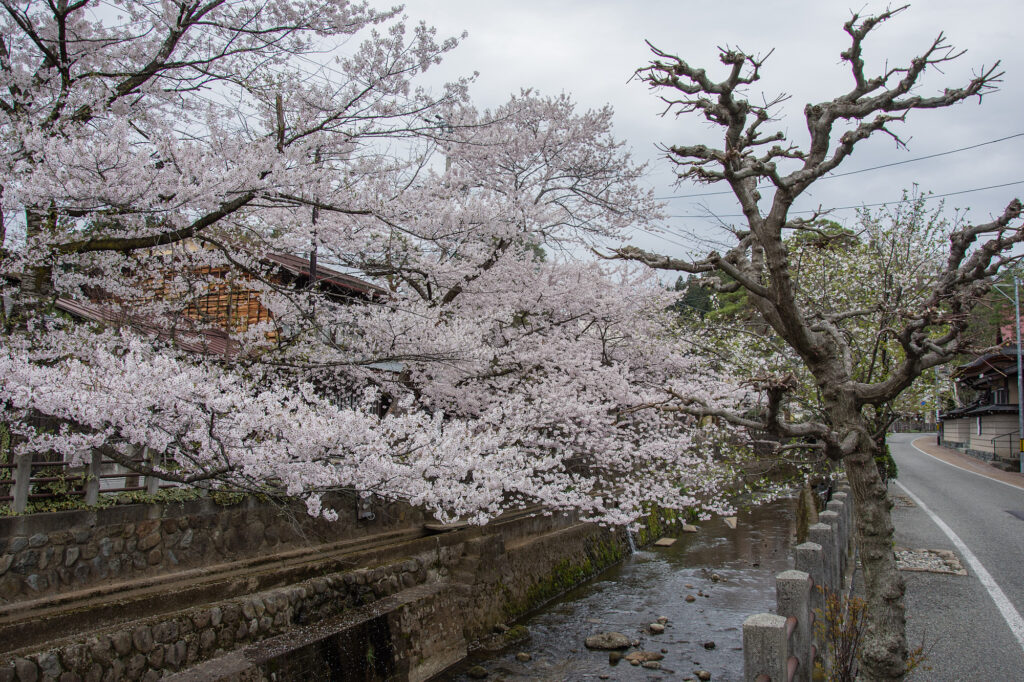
<point x="730" y="573"/>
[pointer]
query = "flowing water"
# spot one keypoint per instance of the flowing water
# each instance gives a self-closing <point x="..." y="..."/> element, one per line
<point x="654" y="583"/>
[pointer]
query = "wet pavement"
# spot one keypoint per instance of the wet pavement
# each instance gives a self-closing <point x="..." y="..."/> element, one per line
<point x="654" y="583"/>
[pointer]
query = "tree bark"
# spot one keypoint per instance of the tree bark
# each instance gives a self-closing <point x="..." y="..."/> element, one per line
<point x="883" y="652"/>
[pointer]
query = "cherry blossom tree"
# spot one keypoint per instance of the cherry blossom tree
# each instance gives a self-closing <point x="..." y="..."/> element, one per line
<point x="157" y="152"/>
<point x="922" y="330"/>
<point x="885" y="262"/>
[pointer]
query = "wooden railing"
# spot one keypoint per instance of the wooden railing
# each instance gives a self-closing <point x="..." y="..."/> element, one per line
<point x="35" y="479"/>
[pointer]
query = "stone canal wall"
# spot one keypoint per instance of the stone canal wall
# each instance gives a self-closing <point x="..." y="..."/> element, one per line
<point x="149" y="648"/>
<point x="398" y="603"/>
<point x="58" y="552"/>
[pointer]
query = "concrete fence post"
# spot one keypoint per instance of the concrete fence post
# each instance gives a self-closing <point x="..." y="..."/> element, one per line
<point x="22" y="482"/>
<point x="842" y="532"/>
<point x="152" y="482"/>
<point x="846" y="500"/>
<point x="809" y="559"/>
<point x="824" y="534"/>
<point x="92" y="483"/>
<point x="793" y="601"/>
<point x="847" y="493"/>
<point x="832" y="519"/>
<point x="846" y="497"/>
<point x="765" y="648"/>
<point x="131" y="478"/>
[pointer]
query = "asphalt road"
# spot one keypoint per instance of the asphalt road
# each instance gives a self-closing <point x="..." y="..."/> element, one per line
<point x="958" y="618"/>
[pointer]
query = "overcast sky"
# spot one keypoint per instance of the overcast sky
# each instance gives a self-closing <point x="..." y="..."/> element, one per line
<point x="590" y="49"/>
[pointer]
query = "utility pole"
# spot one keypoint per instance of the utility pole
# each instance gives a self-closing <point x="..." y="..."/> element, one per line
<point x="1020" y="377"/>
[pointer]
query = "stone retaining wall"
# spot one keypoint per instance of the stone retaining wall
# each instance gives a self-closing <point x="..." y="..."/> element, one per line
<point x="46" y="554"/>
<point x="148" y="649"/>
<point x="477" y="578"/>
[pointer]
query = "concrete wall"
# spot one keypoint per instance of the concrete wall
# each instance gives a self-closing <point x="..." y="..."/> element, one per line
<point x="956" y="432"/>
<point x="49" y="554"/>
<point x="994" y="425"/>
<point x="148" y="648"/>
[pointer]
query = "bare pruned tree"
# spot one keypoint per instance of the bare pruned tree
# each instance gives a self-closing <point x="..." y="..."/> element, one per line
<point x="759" y="261"/>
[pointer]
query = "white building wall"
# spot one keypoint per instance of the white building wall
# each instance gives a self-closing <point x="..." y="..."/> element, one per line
<point x="1002" y="428"/>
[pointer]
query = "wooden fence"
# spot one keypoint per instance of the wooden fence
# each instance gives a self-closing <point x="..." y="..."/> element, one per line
<point x="34" y="479"/>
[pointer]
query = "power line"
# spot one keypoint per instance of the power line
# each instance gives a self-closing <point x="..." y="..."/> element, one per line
<point x="860" y="170"/>
<point x="880" y="203"/>
<point x="659" y="235"/>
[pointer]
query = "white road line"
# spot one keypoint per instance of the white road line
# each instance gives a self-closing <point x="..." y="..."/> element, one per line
<point x="967" y="471"/>
<point x="1004" y="605"/>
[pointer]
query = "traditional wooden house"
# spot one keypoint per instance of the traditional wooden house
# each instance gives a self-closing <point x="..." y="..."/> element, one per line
<point x="985" y="426"/>
<point x="228" y="304"/>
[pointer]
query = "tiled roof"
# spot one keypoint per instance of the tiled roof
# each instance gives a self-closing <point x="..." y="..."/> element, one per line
<point x="210" y="341"/>
<point x="298" y="265"/>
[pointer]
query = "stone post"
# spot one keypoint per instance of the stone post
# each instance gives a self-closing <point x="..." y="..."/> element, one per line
<point x="793" y="600"/>
<point x="844" y="489"/>
<point x="92" y="483"/>
<point x="824" y="534"/>
<point x="22" y="482"/>
<point x="843" y="497"/>
<point x="810" y="560"/>
<point x="152" y="482"/>
<point x="842" y="532"/>
<point x="832" y="519"/>
<point x="765" y="648"/>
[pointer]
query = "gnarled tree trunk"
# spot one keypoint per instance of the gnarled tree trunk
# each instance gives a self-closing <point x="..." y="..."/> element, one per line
<point x="883" y="652"/>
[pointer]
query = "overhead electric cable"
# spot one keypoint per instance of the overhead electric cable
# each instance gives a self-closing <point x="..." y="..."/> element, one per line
<point x="880" y="203"/>
<point x="859" y="170"/>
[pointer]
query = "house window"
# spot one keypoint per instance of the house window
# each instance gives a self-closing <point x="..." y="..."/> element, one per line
<point x="979" y="426"/>
<point x="1000" y="397"/>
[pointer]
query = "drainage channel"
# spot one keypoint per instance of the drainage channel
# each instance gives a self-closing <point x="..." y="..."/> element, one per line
<point x="729" y="573"/>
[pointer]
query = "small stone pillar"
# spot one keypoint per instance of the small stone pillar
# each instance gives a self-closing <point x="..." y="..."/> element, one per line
<point x="765" y="647"/>
<point x="842" y="531"/>
<point x="832" y="519"/>
<point x="824" y="534"/>
<point x="152" y="482"/>
<point x="22" y="482"/>
<point x="92" y="483"/>
<point x="793" y="600"/>
<point x="846" y="497"/>
<point x="810" y="560"/>
<point x="846" y="500"/>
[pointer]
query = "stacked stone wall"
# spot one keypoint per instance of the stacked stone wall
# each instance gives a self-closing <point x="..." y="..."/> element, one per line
<point x="47" y="554"/>
<point x="475" y="579"/>
<point x="148" y="649"/>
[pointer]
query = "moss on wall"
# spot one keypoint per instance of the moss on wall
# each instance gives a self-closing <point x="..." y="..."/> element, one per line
<point x="565" y="575"/>
<point x="600" y="551"/>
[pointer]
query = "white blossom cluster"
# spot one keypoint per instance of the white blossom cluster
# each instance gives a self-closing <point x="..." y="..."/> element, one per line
<point x="156" y="155"/>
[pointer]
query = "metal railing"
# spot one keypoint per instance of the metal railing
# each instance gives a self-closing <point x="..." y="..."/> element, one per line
<point x="1011" y="451"/>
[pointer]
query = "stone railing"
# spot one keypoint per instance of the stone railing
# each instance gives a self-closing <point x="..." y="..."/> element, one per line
<point x="779" y="647"/>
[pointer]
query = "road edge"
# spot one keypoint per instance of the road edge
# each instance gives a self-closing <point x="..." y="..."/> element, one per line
<point x="913" y="444"/>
